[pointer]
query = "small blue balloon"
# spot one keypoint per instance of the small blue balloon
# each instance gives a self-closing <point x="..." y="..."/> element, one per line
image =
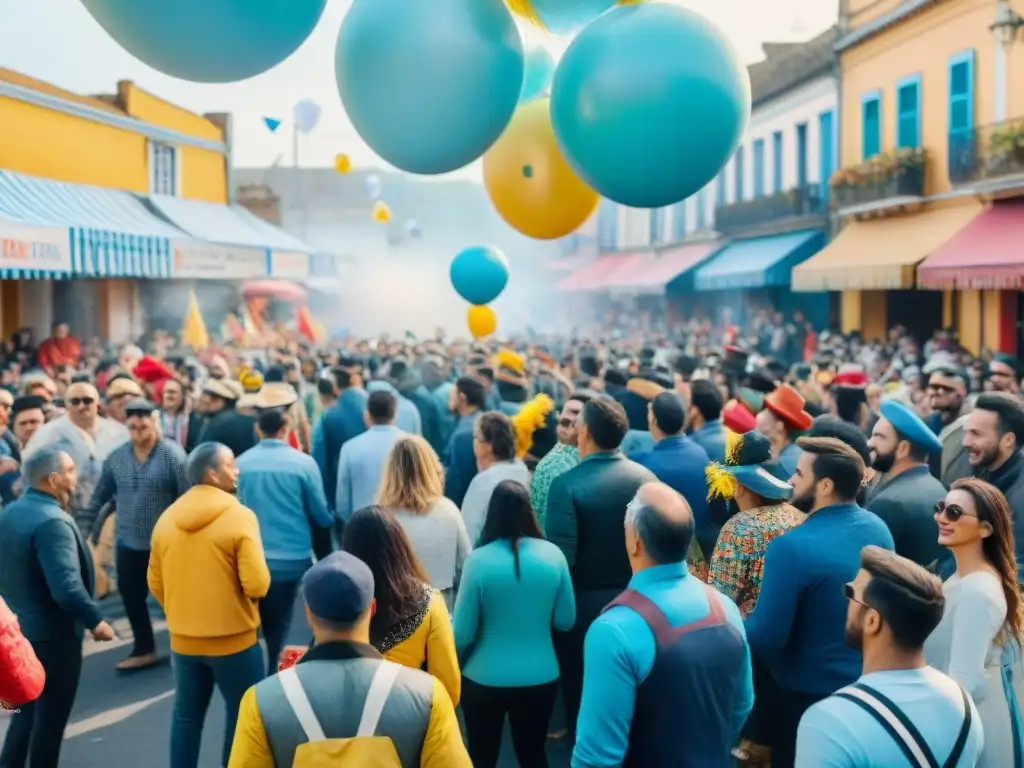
<point x="208" y="41"/>
<point x="648" y="104"/>
<point x="540" y="69"/>
<point x="479" y="274"/>
<point x="429" y="85"/>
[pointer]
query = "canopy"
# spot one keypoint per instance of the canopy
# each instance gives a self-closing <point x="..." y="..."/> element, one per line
<point x="881" y="254"/>
<point x="986" y="254"/>
<point x="602" y="274"/>
<point x="662" y="267"/>
<point x="758" y="262"/>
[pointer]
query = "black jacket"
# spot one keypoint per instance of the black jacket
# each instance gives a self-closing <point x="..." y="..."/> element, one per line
<point x="235" y="430"/>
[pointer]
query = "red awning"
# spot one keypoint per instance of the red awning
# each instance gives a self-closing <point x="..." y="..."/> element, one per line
<point x="986" y="254"/>
<point x="600" y="275"/>
<point x="662" y="267"/>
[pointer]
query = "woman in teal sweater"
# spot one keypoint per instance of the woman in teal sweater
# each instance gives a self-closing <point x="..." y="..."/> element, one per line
<point x="515" y="588"/>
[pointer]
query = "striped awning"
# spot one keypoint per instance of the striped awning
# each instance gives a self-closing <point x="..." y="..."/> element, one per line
<point x="110" y="232"/>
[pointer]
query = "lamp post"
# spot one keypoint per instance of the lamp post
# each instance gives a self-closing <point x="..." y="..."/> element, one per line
<point x="1005" y="28"/>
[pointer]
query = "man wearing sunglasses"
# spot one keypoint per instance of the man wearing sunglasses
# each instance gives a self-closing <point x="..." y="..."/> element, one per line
<point x="559" y="459"/>
<point x="900" y="712"/>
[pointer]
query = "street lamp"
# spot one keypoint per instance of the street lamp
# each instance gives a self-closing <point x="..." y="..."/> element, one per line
<point x="1007" y="23"/>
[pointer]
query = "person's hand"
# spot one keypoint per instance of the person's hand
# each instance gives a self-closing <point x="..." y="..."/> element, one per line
<point x="103" y="632"/>
<point x="8" y="465"/>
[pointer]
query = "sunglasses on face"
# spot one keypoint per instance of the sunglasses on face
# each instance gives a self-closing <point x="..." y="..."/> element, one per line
<point x="953" y="512"/>
<point x="941" y="388"/>
<point x="851" y="595"/>
<point x="77" y="401"/>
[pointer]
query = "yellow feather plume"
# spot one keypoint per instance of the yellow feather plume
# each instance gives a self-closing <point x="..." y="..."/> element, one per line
<point x="733" y="444"/>
<point x="506" y="358"/>
<point x="530" y="418"/>
<point x="721" y="484"/>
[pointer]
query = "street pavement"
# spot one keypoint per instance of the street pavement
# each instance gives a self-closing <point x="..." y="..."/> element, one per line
<point x="123" y="721"/>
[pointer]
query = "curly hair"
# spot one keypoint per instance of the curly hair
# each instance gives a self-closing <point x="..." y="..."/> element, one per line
<point x="998" y="548"/>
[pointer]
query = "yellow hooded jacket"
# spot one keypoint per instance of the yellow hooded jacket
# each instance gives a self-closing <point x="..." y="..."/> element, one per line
<point x="207" y="570"/>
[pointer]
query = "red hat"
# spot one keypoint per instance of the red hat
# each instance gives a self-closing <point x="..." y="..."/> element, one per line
<point x="737" y="417"/>
<point x="150" y="371"/>
<point x="850" y="377"/>
<point x="788" y="404"/>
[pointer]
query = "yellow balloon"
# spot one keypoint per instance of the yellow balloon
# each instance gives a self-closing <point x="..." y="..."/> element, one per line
<point x="381" y="213"/>
<point x="528" y="180"/>
<point x="342" y="163"/>
<point x="482" y="321"/>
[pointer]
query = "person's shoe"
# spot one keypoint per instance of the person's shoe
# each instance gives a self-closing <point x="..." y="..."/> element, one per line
<point x="136" y="663"/>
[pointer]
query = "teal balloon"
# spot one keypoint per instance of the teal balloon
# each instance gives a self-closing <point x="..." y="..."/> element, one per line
<point x="563" y="17"/>
<point x="208" y="41"/>
<point x="479" y="274"/>
<point x="540" y="69"/>
<point x="429" y="86"/>
<point x="648" y="104"/>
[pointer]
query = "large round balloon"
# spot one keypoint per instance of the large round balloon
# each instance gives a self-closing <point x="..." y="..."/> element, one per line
<point x="560" y="16"/>
<point x="540" y="69"/>
<point x="482" y="321"/>
<point x="528" y="180"/>
<point x="479" y="274"/>
<point x="429" y="85"/>
<point x="649" y="102"/>
<point x="208" y="41"/>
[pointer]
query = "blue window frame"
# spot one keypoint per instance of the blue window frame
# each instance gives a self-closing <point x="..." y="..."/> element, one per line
<point x="720" y="188"/>
<point x="871" y="124"/>
<point x="679" y="221"/>
<point x="758" y="167"/>
<point x="961" y="115"/>
<point x="738" y="171"/>
<point x="654" y="235"/>
<point x="801" y="154"/>
<point x="701" y="212"/>
<point x="826" y="149"/>
<point x="777" y="161"/>
<point x="608" y="226"/>
<point x="908" y="112"/>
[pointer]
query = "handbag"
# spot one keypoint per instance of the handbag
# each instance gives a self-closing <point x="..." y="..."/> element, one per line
<point x="902" y="730"/>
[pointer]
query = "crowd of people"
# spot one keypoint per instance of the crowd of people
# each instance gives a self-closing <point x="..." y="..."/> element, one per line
<point x="727" y="547"/>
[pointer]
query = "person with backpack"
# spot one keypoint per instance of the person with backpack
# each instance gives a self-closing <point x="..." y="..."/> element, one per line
<point x="900" y="712"/>
<point x="343" y="704"/>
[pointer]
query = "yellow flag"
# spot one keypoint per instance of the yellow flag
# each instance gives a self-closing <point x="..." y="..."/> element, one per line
<point x="342" y="163"/>
<point x="381" y="213"/>
<point x="193" y="330"/>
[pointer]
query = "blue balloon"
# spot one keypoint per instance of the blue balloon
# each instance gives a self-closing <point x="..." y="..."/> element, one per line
<point x="208" y="41"/>
<point x="540" y="69"/>
<point x="429" y="85"/>
<point x="564" y="16"/>
<point x="649" y="103"/>
<point x="479" y="274"/>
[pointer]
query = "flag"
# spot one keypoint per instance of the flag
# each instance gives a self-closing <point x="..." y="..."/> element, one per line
<point x="193" y="330"/>
<point x="308" y="327"/>
<point x="271" y="123"/>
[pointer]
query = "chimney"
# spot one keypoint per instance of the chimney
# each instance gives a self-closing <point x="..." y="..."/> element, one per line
<point x="260" y="200"/>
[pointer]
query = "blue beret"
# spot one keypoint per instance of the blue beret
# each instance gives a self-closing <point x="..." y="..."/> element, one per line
<point x="339" y="588"/>
<point x="909" y="426"/>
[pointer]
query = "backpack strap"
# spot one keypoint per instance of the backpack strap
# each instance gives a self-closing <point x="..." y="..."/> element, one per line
<point x="894" y="721"/>
<point x="965" y="730"/>
<point x="299" y="702"/>
<point x="376" y="698"/>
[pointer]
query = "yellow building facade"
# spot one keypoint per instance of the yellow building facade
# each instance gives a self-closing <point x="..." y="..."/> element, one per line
<point x="918" y="75"/>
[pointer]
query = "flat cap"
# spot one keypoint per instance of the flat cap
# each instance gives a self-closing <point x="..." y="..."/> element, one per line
<point x="338" y="588"/>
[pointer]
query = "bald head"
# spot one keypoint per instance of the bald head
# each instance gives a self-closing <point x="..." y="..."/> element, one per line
<point x="663" y="522"/>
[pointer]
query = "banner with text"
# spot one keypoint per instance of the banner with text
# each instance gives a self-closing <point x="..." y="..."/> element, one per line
<point x="211" y="261"/>
<point x="41" y="248"/>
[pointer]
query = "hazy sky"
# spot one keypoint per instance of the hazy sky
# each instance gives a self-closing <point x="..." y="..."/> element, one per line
<point x="57" y="41"/>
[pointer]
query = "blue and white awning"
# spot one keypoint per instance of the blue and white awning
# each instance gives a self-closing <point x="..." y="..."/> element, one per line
<point x="110" y="232"/>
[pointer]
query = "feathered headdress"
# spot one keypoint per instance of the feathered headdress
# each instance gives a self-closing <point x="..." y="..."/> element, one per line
<point x="745" y="458"/>
<point x="530" y="418"/>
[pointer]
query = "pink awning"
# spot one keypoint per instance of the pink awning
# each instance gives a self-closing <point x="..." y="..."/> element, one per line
<point x="602" y="274"/>
<point x="663" y="266"/>
<point x="986" y="254"/>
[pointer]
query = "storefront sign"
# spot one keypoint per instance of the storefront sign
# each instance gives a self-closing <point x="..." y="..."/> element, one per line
<point x="42" y="248"/>
<point x="210" y="261"/>
<point x="289" y="265"/>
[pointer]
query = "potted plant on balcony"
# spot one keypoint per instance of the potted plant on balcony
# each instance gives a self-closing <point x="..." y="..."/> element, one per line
<point x="1005" y="150"/>
<point x="898" y="173"/>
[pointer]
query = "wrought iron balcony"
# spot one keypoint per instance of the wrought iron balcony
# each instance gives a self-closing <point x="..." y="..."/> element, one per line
<point x="795" y="203"/>
<point x="987" y="153"/>
<point x="892" y="176"/>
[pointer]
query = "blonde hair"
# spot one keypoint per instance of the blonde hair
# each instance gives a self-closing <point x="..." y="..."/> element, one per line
<point x="413" y="477"/>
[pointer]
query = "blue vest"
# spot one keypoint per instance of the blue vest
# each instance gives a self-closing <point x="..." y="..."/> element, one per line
<point x="690" y="689"/>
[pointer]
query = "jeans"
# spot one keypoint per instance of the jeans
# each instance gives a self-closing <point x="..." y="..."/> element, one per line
<point x="37" y="731"/>
<point x="529" y="711"/>
<point x="132" y="566"/>
<point x="276" y="610"/>
<point x="194" y="679"/>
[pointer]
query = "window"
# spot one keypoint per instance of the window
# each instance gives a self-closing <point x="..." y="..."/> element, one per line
<point x="163" y="169"/>
<point x="608" y="226"/>
<point x="758" y="167"/>
<point x="679" y="221"/>
<point x="871" y="124"/>
<point x="962" y="162"/>
<point x="720" y="188"/>
<point x="777" y="161"/>
<point x="801" y="155"/>
<point x="657" y="216"/>
<point x="738" y="171"/>
<point x="701" y="213"/>
<point x="908" y="112"/>
<point x="826" y="150"/>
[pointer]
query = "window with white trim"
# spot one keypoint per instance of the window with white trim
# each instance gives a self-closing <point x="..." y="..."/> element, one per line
<point x="163" y="169"/>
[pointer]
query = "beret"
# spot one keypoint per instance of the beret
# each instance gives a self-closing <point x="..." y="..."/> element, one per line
<point x="909" y="426"/>
<point x="339" y="588"/>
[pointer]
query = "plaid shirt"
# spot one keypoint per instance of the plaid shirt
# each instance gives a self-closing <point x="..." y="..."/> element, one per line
<point x="141" y="491"/>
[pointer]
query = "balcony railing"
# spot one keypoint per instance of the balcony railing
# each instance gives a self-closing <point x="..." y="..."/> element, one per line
<point x="987" y="153"/>
<point x="795" y="203"/>
<point x="892" y="176"/>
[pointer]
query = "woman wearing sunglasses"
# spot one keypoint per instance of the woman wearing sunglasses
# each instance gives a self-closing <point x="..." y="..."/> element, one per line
<point x="977" y="643"/>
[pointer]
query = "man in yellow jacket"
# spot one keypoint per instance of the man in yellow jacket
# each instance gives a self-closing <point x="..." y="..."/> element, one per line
<point x="343" y="701"/>
<point x="207" y="570"/>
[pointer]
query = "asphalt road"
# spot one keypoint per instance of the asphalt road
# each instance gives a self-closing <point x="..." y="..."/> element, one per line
<point x="123" y="721"/>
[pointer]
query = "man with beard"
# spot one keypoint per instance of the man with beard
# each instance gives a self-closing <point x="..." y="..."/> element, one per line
<point x="993" y="437"/>
<point x="947" y="397"/>
<point x="893" y="605"/>
<point x="796" y="627"/>
<point x="900" y="445"/>
<point x="1004" y="373"/>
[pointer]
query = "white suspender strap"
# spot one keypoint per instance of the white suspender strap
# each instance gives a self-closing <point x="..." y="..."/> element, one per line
<point x="380" y="688"/>
<point x="911" y="745"/>
<point x="296" y="696"/>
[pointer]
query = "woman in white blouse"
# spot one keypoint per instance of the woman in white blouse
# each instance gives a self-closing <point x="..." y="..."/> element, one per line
<point x="494" y="445"/>
<point x="977" y="641"/>
<point x="412" y="488"/>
